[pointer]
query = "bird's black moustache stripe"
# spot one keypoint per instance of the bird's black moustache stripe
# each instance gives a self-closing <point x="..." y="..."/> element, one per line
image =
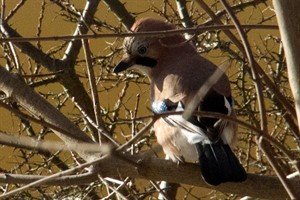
<point x="146" y="61"/>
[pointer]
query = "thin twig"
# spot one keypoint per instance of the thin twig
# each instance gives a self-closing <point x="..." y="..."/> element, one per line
<point x="133" y="116"/>
<point x="268" y="152"/>
<point x="280" y="98"/>
<point x="194" y="30"/>
<point x="256" y="78"/>
<point x="86" y="19"/>
<point x="138" y="135"/>
<point x="95" y="97"/>
<point x="162" y="193"/>
<point x="38" y="121"/>
<point x="39" y="26"/>
<point x="184" y="17"/>
<point x="103" y="132"/>
<point x="115" y="191"/>
<point x="42" y="75"/>
<point x="118" y="105"/>
<point x="51" y="177"/>
<point x="265" y="147"/>
<point x="48" y="146"/>
<point x="3" y="10"/>
<point x="10" y="45"/>
<point x="15" y="10"/>
<point x="15" y="57"/>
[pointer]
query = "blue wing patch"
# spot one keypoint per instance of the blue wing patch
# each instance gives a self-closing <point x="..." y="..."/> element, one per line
<point x="159" y="106"/>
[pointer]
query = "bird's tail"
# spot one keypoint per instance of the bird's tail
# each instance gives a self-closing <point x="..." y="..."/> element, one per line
<point x="219" y="164"/>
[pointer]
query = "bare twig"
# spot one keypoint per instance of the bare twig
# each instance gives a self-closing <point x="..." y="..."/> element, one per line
<point x="49" y="146"/>
<point x="10" y="45"/>
<point x="95" y="97"/>
<point x="277" y="94"/>
<point x="120" y="11"/>
<point x="39" y="121"/>
<point x="104" y="133"/>
<point x="133" y="115"/>
<point x="51" y="177"/>
<point x="138" y="135"/>
<point x="184" y="16"/>
<point x="15" y="57"/>
<point x="259" y="89"/>
<point x="114" y="190"/>
<point x="15" y="10"/>
<point x="282" y="177"/>
<point x="118" y="105"/>
<point x="239" y="6"/>
<point x="39" y="27"/>
<point x="73" y="48"/>
<point x="256" y="78"/>
<point x="18" y="39"/>
<point x="3" y="5"/>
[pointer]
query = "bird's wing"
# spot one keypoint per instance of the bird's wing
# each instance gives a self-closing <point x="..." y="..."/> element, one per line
<point x="218" y="103"/>
<point x="198" y="129"/>
<point x="193" y="133"/>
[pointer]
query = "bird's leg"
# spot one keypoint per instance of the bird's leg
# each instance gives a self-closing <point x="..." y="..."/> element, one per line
<point x="169" y="189"/>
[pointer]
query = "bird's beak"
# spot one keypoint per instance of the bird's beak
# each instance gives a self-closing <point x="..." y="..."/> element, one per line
<point x="134" y="60"/>
<point x="124" y="64"/>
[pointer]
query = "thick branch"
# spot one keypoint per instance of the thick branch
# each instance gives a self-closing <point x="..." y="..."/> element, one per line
<point x="184" y="16"/>
<point x="288" y="17"/>
<point x="86" y="20"/>
<point x="120" y="11"/>
<point x="68" y="78"/>
<point x="29" y="49"/>
<point x="157" y="170"/>
<point x="15" y="88"/>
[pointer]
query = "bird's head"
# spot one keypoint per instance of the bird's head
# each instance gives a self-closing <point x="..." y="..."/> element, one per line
<point x="144" y="53"/>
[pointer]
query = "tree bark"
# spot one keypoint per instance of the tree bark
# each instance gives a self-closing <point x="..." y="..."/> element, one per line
<point x="287" y="13"/>
<point x="121" y="13"/>
<point x="257" y="186"/>
<point x="15" y="88"/>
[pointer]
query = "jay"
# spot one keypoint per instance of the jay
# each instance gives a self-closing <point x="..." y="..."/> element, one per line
<point x="176" y="72"/>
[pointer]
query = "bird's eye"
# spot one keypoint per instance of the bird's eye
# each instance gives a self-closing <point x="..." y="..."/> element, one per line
<point x="142" y="50"/>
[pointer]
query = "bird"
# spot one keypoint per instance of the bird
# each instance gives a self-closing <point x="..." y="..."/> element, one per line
<point x="176" y="72"/>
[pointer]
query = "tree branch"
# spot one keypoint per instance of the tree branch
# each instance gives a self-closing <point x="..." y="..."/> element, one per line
<point x="156" y="169"/>
<point x="287" y="13"/>
<point x="16" y="89"/>
<point x="120" y="11"/>
<point x="184" y="17"/>
<point x="95" y="97"/>
<point x="68" y="78"/>
<point x="29" y="49"/>
<point x="277" y="94"/>
<point x="86" y="20"/>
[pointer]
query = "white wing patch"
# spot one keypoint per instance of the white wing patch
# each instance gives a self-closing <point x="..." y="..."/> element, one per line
<point x="228" y="106"/>
<point x="193" y="133"/>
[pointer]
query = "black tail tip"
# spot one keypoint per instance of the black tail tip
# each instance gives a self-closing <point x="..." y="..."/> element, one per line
<point x="218" y="164"/>
<point x="217" y="178"/>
